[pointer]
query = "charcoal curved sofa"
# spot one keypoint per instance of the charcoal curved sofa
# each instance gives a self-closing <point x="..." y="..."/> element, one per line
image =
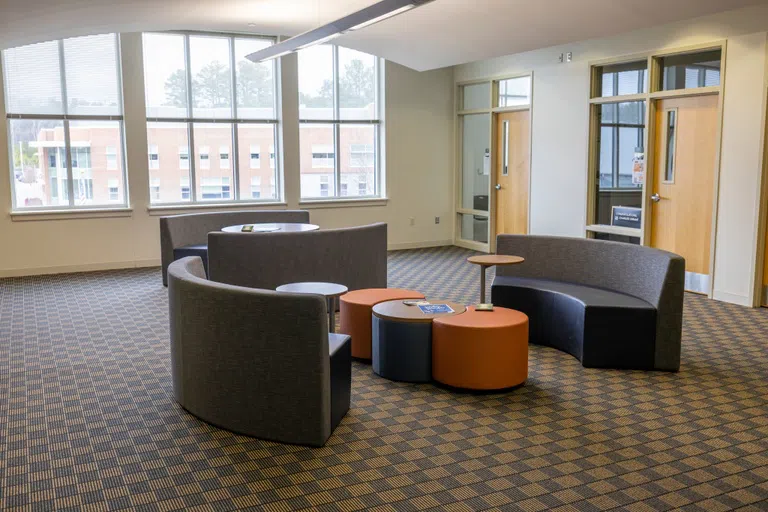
<point x="355" y="257"/>
<point x="609" y="304"/>
<point x="187" y="234"/>
<point x="257" y="362"/>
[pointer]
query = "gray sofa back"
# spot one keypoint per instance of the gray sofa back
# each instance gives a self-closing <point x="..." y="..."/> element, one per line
<point x="251" y="361"/>
<point x="653" y="275"/>
<point x="193" y="228"/>
<point x="355" y="257"/>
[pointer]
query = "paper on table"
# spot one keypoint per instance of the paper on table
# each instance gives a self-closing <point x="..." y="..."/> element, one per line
<point x="433" y="309"/>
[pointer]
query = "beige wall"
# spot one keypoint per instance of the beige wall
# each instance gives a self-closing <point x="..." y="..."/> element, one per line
<point x="560" y="138"/>
<point x="418" y="163"/>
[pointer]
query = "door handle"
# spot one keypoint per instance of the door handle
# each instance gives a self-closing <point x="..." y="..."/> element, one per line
<point x="498" y="186"/>
<point x="655" y="198"/>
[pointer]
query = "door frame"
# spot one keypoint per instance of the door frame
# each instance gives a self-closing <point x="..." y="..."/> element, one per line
<point x="493" y="112"/>
<point x="651" y="97"/>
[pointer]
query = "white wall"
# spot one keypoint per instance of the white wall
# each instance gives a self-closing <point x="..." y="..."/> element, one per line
<point x="418" y="161"/>
<point x="561" y="119"/>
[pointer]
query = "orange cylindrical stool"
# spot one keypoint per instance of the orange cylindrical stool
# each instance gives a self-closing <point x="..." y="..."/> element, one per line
<point x="356" y="314"/>
<point x="481" y="350"/>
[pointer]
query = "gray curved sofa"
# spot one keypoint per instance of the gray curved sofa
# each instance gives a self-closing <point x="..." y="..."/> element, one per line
<point x="610" y="304"/>
<point x="191" y="230"/>
<point x="355" y="257"/>
<point x="257" y="362"/>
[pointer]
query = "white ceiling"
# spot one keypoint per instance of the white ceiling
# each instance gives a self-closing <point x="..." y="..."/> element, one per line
<point x="442" y="33"/>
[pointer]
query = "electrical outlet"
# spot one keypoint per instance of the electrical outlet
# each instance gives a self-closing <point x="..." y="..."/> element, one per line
<point x="412" y="221"/>
<point x="437" y="220"/>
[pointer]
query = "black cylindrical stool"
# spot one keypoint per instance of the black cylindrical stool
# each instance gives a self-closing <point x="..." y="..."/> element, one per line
<point x="402" y="340"/>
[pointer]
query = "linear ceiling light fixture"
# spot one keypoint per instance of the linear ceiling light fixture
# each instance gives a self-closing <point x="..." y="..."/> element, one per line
<point x="375" y="13"/>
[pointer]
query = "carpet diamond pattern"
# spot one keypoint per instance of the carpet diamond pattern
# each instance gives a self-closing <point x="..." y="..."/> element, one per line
<point x="88" y="422"/>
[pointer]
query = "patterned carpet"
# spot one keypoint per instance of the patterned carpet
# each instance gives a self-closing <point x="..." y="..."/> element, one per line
<point x="87" y="421"/>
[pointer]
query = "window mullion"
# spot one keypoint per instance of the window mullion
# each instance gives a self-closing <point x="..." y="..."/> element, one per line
<point x="336" y="130"/>
<point x="67" y="137"/>
<point x="378" y="107"/>
<point x="68" y="156"/>
<point x="234" y="162"/>
<point x="190" y="124"/>
<point x="233" y="157"/>
<point x="615" y="166"/>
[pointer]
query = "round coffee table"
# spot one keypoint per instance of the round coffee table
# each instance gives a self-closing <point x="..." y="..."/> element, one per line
<point x="271" y="227"/>
<point x="328" y="290"/>
<point x="491" y="260"/>
<point x="402" y="339"/>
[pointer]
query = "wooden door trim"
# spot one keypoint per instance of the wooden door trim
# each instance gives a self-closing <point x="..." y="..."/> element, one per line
<point x="718" y="161"/>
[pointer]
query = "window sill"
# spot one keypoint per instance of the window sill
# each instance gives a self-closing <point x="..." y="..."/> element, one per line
<point x="91" y="213"/>
<point x="195" y="207"/>
<point x="343" y="203"/>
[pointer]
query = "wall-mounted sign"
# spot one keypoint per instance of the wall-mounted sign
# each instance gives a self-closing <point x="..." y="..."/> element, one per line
<point x="487" y="162"/>
<point x="638" y="168"/>
<point x="627" y="217"/>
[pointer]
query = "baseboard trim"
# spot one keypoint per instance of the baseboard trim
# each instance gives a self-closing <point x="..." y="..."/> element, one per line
<point x="732" y="298"/>
<point x="116" y="265"/>
<point x="87" y="267"/>
<point x="419" y="245"/>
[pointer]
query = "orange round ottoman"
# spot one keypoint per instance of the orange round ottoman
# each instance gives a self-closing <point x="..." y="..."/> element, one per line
<point x="356" y="314"/>
<point x="483" y="350"/>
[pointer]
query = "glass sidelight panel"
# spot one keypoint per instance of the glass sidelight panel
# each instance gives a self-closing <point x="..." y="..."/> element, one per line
<point x="474" y="228"/>
<point x="475" y="161"/>
<point x="620" y="163"/>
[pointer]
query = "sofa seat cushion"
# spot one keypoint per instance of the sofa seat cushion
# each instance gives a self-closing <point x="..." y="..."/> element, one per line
<point x="587" y="295"/>
<point x="602" y="328"/>
<point x="193" y="250"/>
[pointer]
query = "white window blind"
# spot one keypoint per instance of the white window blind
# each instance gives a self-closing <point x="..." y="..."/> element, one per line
<point x="92" y="75"/>
<point x="33" y="79"/>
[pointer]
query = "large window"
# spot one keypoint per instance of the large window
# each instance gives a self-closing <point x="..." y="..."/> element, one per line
<point x="64" y="110"/>
<point x="340" y="123"/>
<point x="208" y="108"/>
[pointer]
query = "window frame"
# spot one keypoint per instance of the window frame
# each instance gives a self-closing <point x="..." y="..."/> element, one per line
<point x="66" y="118"/>
<point x="379" y="191"/>
<point x="190" y="121"/>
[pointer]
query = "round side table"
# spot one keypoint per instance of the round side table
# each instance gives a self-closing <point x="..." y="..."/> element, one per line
<point x="328" y="290"/>
<point x="491" y="260"/>
<point x="402" y="340"/>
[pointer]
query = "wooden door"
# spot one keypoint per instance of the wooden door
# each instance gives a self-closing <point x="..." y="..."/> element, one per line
<point x="512" y="172"/>
<point x="685" y="152"/>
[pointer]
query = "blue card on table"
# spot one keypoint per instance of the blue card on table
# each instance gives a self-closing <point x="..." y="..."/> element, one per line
<point x="433" y="309"/>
